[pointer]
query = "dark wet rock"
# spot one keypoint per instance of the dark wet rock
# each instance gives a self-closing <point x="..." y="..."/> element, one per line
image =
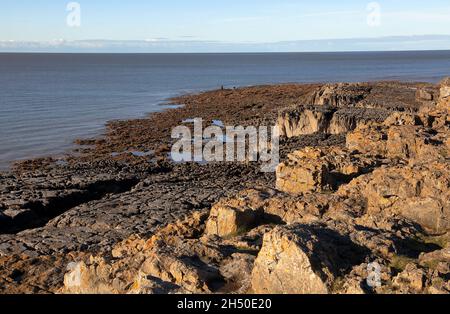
<point x="143" y="218"/>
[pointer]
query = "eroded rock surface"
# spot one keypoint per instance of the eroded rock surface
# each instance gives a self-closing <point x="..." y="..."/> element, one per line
<point x="340" y="108"/>
<point x="362" y="212"/>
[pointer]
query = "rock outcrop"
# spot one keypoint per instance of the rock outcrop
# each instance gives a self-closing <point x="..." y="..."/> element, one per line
<point x="341" y="95"/>
<point x="316" y="170"/>
<point x="363" y="212"/>
<point x="371" y="217"/>
<point x="302" y="259"/>
<point x="341" y="108"/>
<point x="328" y="120"/>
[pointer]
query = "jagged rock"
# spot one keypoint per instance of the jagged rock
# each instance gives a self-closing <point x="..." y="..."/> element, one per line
<point x="81" y="279"/>
<point x="445" y="89"/>
<point x="303" y="259"/>
<point x="401" y="136"/>
<point x="390" y="207"/>
<point x="419" y="193"/>
<point x="306" y="120"/>
<point x="368" y="139"/>
<point x="235" y="215"/>
<point x="424" y="94"/>
<point x="328" y="120"/>
<point x="340" y="95"/>
<point x="303" y="209"/>
<point x="348" y="119"/>
<point x="411" y="280"/>
<point x="315" y="170"/>
<point x="237" y="272"/>
<point x="401" y="118"/>
<point x="304" y="172"/>
<point x="187" y="271"/>
<point x="276" y="207"/>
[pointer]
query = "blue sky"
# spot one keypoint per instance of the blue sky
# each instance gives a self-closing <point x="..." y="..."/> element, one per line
<point x="230" y="21"/>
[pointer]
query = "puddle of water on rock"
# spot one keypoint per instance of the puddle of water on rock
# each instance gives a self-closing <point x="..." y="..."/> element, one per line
<point x="134" y="153"/>
<point x="61" y="162"/>
<point x="184" y="156"/>
<point x="186" y="121"/>
<point x="218" y="123"/>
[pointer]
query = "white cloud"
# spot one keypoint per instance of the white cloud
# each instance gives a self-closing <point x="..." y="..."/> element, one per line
<point x="425" y="42"/>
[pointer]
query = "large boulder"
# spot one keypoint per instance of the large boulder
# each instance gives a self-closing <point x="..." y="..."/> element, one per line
<point x="235" y="215"/>
<point x="305" y="171"/>
<point x="341" y="95"/>
<point x="272" y="207"/>
<point x="306" y="120"/>
<point x="303" y="259"/>
<point x="419" y="193"/>
<point x="320" y="169"/>
<point x="445" y="88"/>
<point x="413" y="138"/>
<point x="172" y="261"/>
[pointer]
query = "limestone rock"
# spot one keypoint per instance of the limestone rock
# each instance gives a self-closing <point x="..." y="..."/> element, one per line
<point x="235" y="215"/>
<point x="306" y="120"/>
<point x="303" y="259"/>
<point x="419" y="193"/>
<point x="237" y="272"/>
<point x="315" y="170"/>
<point x="411" y="280"/>
<point x="340" y="95"/>
<point x="445" y="88"/>
<point x="402" y="136"/>
<point x="368" y="139"/>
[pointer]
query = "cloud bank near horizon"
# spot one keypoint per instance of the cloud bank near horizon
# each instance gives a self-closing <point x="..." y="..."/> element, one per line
<point x="162" y="45"/>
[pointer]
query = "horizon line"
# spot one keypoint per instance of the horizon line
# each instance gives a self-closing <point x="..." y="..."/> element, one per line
<point x="225" y="52"/>
<point x="384" y="43"/>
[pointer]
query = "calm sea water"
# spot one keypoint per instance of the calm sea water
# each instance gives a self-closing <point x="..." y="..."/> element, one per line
<point x="48" y="100"/>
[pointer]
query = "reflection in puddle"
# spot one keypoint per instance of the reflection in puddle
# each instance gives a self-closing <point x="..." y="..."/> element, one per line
<point x="134" y="153"/>
<point x="218" y="123"/>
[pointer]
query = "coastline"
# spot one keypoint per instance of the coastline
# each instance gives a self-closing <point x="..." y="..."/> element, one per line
<point x="105" y="194"/>
<point x="56" y="110"/>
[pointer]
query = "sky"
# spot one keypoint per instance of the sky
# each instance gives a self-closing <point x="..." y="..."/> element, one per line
<point x="219" y="24"/>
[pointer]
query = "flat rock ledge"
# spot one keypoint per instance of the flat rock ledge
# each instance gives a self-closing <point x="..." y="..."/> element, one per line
<point x="365" y="214"/>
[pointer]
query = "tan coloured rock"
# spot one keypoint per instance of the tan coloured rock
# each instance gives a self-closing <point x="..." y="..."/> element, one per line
<point x="424" y="94"/>
<point x="419" y="193"/>
<point x="340" y="95"/>
<point x="166" y="263"/>
<point x="304" y="120"/>
<point x="302" y="209"/>
<point x="80" y="279"/>
<point x="303" y="259"/>
<point x="186" y="271"/>
<point x="236" y="215"/>
<point x="368" y="139"/>
<point x="276" y="207"/>
<point x="284" y="266"/>
<point x="404" y="136"/>
<point x="319" y="169"/>
<point x="445" y="89"/>
<point x="306" y="171"/>
<point x="411" y="280"/>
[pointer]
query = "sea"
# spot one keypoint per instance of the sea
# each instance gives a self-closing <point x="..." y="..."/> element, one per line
<point x="48" y="100"/>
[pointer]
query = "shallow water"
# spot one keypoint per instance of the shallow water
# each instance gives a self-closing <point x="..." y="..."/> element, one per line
<point x="48" y="100"/>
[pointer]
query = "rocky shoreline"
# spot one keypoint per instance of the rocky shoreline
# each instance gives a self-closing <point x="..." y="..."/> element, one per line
<point x="364" y="181"/>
